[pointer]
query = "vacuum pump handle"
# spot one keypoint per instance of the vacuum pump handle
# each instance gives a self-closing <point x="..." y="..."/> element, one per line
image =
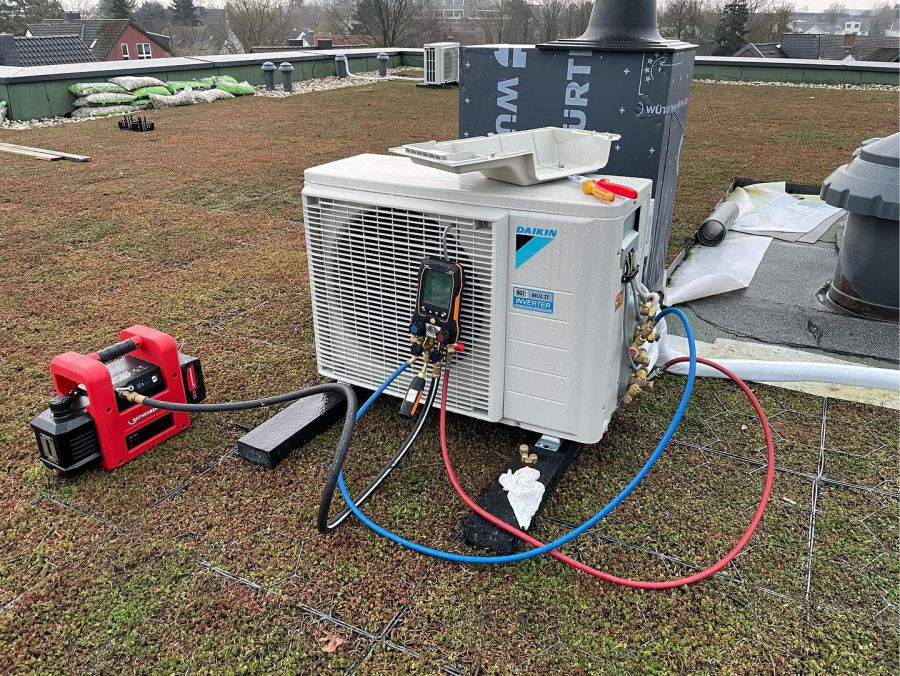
<point x="116" y="350"/>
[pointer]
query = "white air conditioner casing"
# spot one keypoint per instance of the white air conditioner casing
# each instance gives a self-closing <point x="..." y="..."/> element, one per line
<point x="544" y="308"/>
<point x="441" y="63"/>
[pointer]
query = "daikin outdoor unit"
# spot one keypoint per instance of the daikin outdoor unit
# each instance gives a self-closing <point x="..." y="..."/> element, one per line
<point x="545" y="306"/>
<point x="441" y="63"/>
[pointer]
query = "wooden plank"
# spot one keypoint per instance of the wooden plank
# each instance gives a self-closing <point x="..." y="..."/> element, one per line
<point x="29" y="153"/>
<point x="66" y="156"/>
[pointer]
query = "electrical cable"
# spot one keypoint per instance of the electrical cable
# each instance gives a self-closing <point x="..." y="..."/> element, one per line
<point x="421" y="418"/>
<point x="638" y="584"/>
<point x="521" y="556"/>
<point x="445" y="249"/>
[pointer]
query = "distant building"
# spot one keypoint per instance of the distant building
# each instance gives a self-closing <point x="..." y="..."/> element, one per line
<point x="851" y="47"/>
<point x="864" y="22"/>
<point x="858" y="26"/>
<point x="48" y="50"/>
<point x="108" y="39"/>
<point x="894" y="30"/>
<point x="452" y="10"/>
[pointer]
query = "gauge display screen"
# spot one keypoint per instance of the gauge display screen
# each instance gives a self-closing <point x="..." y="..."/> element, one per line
<point x="437" y="289"/>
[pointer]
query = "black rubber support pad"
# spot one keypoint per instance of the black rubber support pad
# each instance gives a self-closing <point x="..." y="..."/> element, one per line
<point x="479" y="532"/>
<point x="271" y="442"/>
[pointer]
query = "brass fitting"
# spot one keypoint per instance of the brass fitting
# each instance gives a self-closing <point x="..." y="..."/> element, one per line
<point x="633" y="391"/>
<point x="527" y="458"/>
<point x="436" y="371"/>
<point x="641" y="358"/>
<point x="132" y="397"/>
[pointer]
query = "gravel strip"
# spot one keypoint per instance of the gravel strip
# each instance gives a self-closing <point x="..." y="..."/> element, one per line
<point x="322" y="84"/>
<point x="808" y="85"/>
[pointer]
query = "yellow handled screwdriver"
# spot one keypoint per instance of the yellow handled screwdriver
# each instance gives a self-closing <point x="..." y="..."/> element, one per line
<point x="589" y="187"/>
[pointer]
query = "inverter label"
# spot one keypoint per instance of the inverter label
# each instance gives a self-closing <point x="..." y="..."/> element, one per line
<point x="534" y="300"/>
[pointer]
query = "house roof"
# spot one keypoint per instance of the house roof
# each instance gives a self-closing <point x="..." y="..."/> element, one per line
<point x="163" y="41"/>
<point x="761" y="50"/>
<point x="48" y="50"/>
<point x="834" y="47"/>
<point x="101" y="35"/>
<point x="885" y="54"/>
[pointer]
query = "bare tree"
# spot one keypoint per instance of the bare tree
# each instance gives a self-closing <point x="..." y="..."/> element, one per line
<point x="575" y="18"/>
<point x="835" y="11"/>
<point x="507" y="21"/>
<point x="683" y="19"/>
<point x="770" y="21"/>
<point x="223" y="38"/>
<point x="548" y="16"/>
<point x="883" y="15"/>
<point x="255" y="22"/>
<point x="388" y="23"/>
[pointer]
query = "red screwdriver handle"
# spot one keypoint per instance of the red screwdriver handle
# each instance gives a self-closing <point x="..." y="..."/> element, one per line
<point x="618" y="188"/>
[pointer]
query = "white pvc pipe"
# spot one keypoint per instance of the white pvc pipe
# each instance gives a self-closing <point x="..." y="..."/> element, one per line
<point x="794" y="372"/>
<point x="379" y="78"/>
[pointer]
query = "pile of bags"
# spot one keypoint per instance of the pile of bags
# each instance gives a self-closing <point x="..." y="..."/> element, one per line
<point x="127" y="94"/>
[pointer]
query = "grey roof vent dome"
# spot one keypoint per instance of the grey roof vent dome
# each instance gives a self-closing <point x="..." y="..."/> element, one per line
<point x="869" y="185"/>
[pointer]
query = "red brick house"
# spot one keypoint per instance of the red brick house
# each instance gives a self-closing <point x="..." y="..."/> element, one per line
<point x="108" y="39"/>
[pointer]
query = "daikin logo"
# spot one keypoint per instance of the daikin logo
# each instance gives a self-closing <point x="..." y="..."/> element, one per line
<point x="531" y="240"/>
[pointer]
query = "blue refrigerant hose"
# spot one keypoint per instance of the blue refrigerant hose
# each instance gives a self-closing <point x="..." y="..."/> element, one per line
<point x="590" y="523"/>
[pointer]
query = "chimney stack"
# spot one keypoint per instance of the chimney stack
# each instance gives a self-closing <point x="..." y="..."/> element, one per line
<point x="9" y="54"/>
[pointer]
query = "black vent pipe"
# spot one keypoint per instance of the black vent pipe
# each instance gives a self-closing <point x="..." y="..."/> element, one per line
<point x="626" y="25"/>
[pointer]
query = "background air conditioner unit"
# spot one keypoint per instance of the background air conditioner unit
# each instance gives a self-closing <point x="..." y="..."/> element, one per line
<point x="441" y="63"/>
<point x="544" y="309"/>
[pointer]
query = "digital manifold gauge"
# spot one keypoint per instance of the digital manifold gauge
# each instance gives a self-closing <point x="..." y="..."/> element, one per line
<point x="435" y="321"/>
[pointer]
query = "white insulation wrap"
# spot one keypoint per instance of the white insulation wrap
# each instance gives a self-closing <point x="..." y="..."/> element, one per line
<point x="795" y="372"/>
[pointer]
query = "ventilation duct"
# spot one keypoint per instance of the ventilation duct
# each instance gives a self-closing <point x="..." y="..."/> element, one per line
<point x="867" y="278"/>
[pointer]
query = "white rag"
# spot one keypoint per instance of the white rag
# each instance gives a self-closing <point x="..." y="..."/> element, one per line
<point x="525" y="493"/>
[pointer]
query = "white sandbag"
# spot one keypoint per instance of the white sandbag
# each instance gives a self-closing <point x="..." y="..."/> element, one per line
<point x="102" y="111"/>
<point x="132" y="82"/>
<point x="211" y="95"/>
<point x="104" y="99"/>
<point x="187" y="97"/>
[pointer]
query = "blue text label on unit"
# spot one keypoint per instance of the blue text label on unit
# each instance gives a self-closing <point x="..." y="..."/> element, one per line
<point x="534" y="300"/>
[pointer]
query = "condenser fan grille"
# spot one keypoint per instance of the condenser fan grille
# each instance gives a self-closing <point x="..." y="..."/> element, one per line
<point x="363" y="261"/>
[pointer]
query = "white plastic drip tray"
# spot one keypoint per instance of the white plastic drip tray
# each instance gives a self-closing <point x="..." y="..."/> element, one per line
<point x="519" y="157"/>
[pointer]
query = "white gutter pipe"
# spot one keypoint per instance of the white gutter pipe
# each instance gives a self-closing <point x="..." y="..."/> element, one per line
<point x="346" y="61"/>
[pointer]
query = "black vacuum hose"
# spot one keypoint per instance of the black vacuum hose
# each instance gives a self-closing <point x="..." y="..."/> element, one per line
<point x="340" y="453"/>
<point x="419" y="423"/>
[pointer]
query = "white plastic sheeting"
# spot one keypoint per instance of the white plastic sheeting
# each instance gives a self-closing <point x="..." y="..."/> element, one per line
<point x="766" y="209"/>
<point x="707" y="271"/>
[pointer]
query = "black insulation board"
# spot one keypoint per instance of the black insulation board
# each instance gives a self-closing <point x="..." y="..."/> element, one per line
<point x="272" y="441"/>
<point x="552" y="465"/>
<point x="780" y="307"/>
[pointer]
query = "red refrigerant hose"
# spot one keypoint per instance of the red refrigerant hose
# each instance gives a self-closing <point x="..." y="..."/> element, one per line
<point x="638" y="584"/>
